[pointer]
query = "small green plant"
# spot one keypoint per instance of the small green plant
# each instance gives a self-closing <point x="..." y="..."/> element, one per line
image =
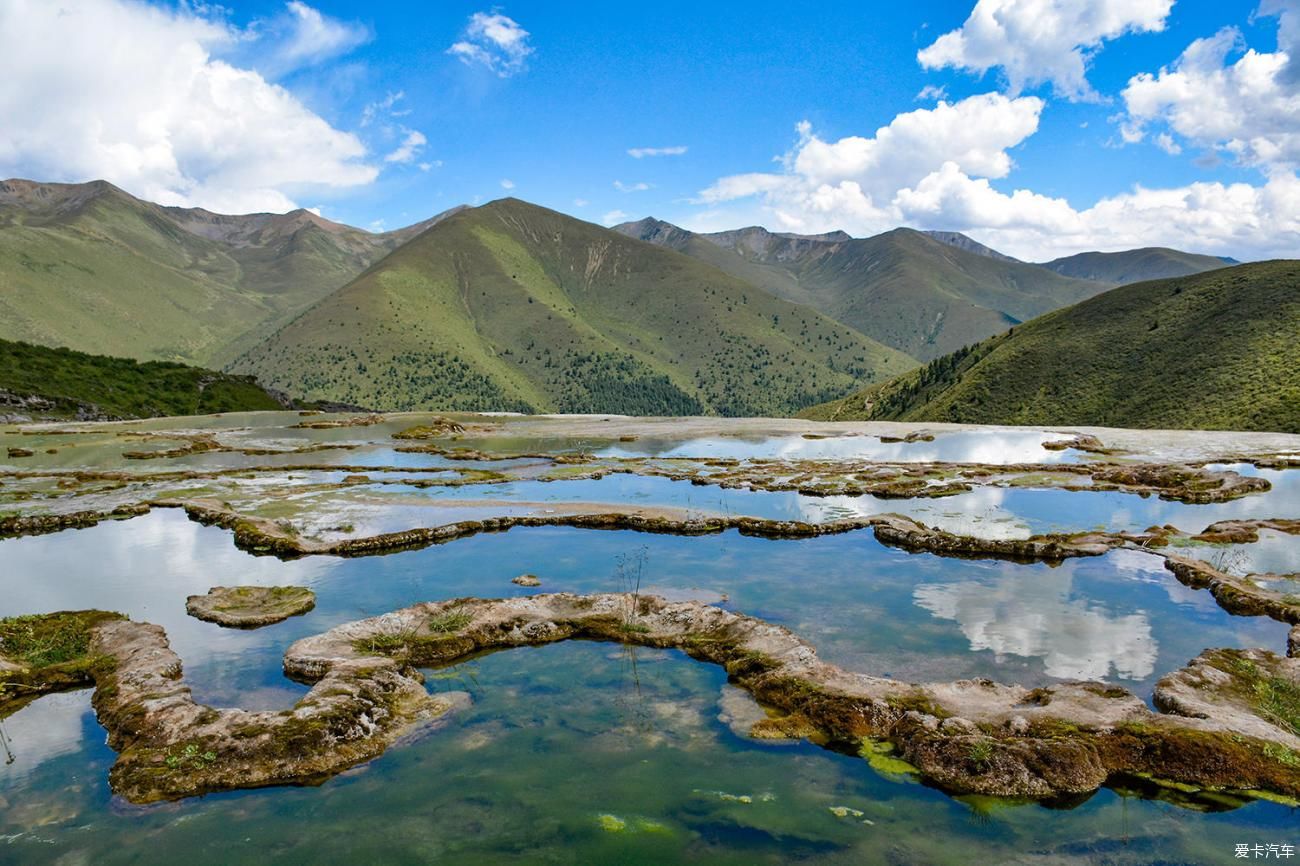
<point x="190" y="758"/>
<point x="1275" y="698"/>
<point x="1281" y="754"/>
<point x="980" y="753"/>
<point x="451" y="620"/>
<point x="1278" y="700"/>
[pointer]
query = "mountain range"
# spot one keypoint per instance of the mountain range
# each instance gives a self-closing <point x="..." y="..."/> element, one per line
<point x="94" y="268"/>
<point x="923" y="293"/>
<point x="1214" y="350"/>
<point x="513" y="306"/>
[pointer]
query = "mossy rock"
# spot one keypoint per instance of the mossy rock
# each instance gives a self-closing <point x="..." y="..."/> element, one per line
<point x="48" y="652"/>
<point x="250" y="606"/>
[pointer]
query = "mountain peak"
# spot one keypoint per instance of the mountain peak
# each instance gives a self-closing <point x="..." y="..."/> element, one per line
<point x="969" y="244"/>
<point x="52" y="199"/>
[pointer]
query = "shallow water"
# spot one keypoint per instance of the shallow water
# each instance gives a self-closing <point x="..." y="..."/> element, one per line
<point x="595" y="753"/>
<point x="559" y="736"/>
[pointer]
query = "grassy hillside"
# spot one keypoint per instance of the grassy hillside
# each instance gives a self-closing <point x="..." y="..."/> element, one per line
<point x="1215" y="350"/>
<point x="512" y="306"/>
<point x="1131" y="266"/>
<point x="38" y="381"/>
<point x="902" y="288"/>
<point x="91" y="267"/>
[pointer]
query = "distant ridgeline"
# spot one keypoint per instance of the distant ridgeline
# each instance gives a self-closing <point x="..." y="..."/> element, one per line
<point x="1216" y="350"/>
<point x="507" y="306"/>
<point x="39" y="382"/>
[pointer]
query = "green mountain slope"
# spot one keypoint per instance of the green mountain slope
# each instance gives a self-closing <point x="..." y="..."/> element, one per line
<point x="91" y="267"/>
<point x="1215" y="350"/>
<point x="512" y="306"/>
<point x="1131" y="266"/>
<point x="40" y="382"/>
<point x="902" y="288"/>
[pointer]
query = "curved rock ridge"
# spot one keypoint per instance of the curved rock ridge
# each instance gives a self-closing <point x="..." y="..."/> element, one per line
<point x="1221" y="729"/>
<point x="1234" y="593"/>
<point x="259" y="535"/>
<point x="170" y="746"/>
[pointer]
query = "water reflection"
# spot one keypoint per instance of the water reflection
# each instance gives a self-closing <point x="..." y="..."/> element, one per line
<point x="1040" y="615"/>
<point x="559" y="735"/>
<point x="41" y="731"/>
<point x="146" y="568"/>
<point x="966" y="446"/>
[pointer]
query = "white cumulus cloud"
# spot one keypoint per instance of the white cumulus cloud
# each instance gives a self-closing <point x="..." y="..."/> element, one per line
<point x="613" y="216"/>
<point x="152" y="109"/>
<point x="493" y="41"/>
<point x="932" y="169"/>
<point x="507" y="183"/>
<point x="639" y="186"/>
<point x="1037" y="41"/>
<point x="865" y="173"/>
<point x="1248" y="109"/>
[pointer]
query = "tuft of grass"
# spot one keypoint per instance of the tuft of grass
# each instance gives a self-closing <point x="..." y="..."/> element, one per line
<point x="41" y="640"/>
<point x="1275" y="698"/>
<point x="451" y="620"/>
<point x="1278" y="700"/>
<point x="980" y="753"/>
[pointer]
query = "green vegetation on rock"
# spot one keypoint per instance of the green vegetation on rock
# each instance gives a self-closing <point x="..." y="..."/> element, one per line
<point x="1214" y="350"/>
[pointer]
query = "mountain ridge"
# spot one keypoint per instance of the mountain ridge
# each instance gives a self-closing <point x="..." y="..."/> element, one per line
<point x="511" y="305"/>
<point x="903" y="288"/>
<point x="93" y="267"/>
<point x="1136" y="265"/>
<point x="1213" y="350"/>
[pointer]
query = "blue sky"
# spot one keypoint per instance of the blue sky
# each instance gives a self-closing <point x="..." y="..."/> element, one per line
<point x="544" y="101"/>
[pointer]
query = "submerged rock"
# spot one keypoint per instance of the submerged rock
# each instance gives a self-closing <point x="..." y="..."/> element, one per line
<point x="527" y="580"/>
<point x="42" y="653"/>
<point x="250" y="606"/>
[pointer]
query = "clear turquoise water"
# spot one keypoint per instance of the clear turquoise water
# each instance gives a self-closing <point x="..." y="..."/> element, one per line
<point x="558" y="736"/>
